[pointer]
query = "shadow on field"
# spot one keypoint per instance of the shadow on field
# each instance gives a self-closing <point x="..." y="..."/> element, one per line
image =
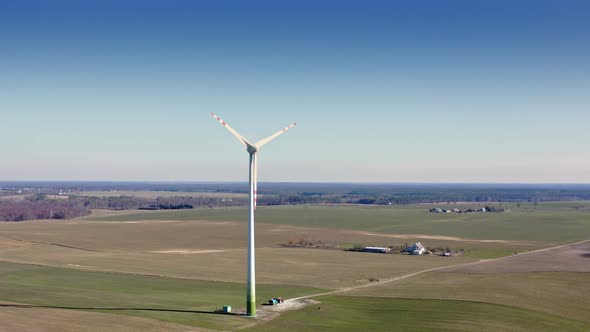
<point x="119" y="309"/>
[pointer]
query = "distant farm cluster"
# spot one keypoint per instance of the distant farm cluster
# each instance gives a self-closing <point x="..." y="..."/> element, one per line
<point x="414" y="249"/>
<point x="406" y="248"/>
<point x="483" y="209"/>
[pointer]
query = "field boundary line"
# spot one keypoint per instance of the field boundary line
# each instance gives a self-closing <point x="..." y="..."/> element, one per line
<point x="54" y="244"/>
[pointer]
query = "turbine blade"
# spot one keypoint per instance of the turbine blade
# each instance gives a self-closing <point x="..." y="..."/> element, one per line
<point x="273" y="136"/>
<point x="231" y="130"/>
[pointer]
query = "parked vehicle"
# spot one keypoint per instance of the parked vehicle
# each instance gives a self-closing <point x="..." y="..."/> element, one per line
<point x="275" y="300"/>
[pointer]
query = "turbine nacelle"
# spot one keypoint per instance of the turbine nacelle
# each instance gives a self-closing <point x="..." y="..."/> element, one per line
<point x="251" y="149"/>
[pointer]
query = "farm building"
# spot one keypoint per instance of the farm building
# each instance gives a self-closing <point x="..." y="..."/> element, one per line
<point x="381" y="250"/>
<point x="416" y="249"/>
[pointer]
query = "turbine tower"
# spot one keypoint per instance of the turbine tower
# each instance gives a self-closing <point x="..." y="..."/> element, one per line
<point x="253" y="178"/>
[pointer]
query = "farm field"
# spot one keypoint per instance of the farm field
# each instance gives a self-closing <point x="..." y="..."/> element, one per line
<point x="310" y="267"/>
<point x="555" y="282"/>
<point x="180" y="301"/>
<point x="49" y="319"/>
<point x="560" y="293"/>
<point x="153" y="234"/>
<point x="345" y="313"/>
<point x="547" y="222"/>
<point x="179" y="266"/>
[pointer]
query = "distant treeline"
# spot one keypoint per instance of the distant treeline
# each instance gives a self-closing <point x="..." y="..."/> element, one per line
<point x="159" y="203"/>
<point x="400" y="197"/>
<point x="32" y="209"/>
<point x="40" y="207"/>
<point x="277" y="193"/>
<point x="36" y="205"/>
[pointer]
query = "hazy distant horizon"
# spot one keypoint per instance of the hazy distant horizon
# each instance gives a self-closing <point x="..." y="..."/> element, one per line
<point x="491" y="184"/>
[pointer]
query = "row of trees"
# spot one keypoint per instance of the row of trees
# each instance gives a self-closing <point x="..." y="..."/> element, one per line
<point x="11" y="210"/>
<point x="40" y="207"/>
<point x="159" y="203"/>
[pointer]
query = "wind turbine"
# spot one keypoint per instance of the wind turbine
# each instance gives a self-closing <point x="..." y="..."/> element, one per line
<point x="253" y="179"/>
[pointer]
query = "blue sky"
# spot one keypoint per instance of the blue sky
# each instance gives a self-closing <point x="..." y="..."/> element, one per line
<point x="386" y="91"/>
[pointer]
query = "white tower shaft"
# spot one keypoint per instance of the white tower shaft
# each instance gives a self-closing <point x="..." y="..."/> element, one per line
<point x="251" y="293"/>
<point x="253" y="182"/>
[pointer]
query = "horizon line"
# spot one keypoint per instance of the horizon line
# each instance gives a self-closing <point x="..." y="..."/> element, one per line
<point x="300" y="182"/>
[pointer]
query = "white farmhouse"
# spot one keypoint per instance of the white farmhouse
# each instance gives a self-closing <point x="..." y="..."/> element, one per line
<point x="416" y="249"/>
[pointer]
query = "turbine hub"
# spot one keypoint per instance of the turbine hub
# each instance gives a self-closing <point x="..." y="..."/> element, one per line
<point x="252" y="149"/>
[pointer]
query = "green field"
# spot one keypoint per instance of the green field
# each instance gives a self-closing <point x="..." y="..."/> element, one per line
<point x="330" y="269"/>
<point x="549" y="222"/>
<point x="181" y="301"/>
<point x="192" y="303"/>
<point x="177" y="267"/>
<point x="563" y="293"/>
<point x="344" y="313"/>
